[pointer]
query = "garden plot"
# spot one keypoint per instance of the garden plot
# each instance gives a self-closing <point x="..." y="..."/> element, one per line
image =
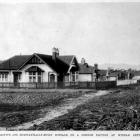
<point x="21" y="107"/>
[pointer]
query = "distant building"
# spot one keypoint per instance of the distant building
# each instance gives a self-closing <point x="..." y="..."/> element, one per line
<point x="86" y="72"/>
<point x="136" y="75"/>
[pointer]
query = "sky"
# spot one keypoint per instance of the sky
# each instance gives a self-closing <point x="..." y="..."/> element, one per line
<point x="99" y="32"/>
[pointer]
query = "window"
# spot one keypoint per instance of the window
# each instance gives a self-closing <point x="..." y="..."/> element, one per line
<point x="74" y="77"/>
<point x="67" y="78"/>
<point x="30" y="79"/>
<point x="52" y="78"/>
<point x="19" y="77"/>
<point x="35" y="77"/>
<point x="3" y="77"/>
<point x="77" y="76"/>
<point x="6" y="77"/>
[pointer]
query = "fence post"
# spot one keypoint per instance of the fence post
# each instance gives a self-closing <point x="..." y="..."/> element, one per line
<point x="18" y="85"/>
<point x="95" y="85"/>
<point x="36" y="85"/>
<point x="78" y="84"/>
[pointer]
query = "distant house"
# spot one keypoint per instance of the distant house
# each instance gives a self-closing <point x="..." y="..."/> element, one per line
<point x="86" y="72"/>
<point x="113" y="76"/>
<point x="40" y="68"/>
<point x="119" y="74"/>
<point x="102" y="75"/>
<point x="136" y="75"/>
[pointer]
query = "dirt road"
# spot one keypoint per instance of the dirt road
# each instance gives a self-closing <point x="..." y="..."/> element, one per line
<point x="53" y="112"/>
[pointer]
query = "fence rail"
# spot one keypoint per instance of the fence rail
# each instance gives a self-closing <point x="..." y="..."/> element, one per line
<point x="55" y="85"/>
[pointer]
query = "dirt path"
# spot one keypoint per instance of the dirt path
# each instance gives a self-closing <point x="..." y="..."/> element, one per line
<point x="53" y="112"/>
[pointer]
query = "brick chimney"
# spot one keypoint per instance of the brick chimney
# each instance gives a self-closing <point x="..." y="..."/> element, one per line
<point x="96" y="71"/>
<point x="55" y="53"/>
<point x="83" y="61"/>
<point x="96" y="66"/>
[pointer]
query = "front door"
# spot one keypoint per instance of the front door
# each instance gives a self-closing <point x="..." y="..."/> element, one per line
<point x="16" y="78"/>
<point x="52" y="78"/>
<point x="60" y="83"/>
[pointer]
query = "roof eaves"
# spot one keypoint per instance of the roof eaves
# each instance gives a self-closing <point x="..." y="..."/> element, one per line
<point x="85" y="73"/>
<point x="7" y="61"/>
<point x="70" y="64"/>
<point x="25" y="62"/>
<point x="60" y="58"/>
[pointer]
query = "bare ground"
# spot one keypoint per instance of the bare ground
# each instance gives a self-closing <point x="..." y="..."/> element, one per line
<point x="119" y="110"/>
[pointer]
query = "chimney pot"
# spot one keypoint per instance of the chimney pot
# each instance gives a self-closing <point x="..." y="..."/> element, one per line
<point x="96" y="66"/>
<point x="55" y="53"/>
<point x="83" y="61"/>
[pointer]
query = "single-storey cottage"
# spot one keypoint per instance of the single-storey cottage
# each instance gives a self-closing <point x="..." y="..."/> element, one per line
<point x="40" y="68"/>
<point x="86" y="72"/>
<point x="136" y="75"/>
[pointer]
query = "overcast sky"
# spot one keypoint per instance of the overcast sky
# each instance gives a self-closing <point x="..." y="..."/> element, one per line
<point x="99" y="32"/>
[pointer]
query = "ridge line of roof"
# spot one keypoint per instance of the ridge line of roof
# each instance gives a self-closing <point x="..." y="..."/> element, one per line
<point x="63" y="58"/>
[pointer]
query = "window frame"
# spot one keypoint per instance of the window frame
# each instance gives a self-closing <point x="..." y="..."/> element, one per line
<point x="34" y="76"/>
<point x="3" y="77"/>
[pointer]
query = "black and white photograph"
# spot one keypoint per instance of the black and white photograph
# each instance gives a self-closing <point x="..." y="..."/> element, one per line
<point x="70" y="66"/>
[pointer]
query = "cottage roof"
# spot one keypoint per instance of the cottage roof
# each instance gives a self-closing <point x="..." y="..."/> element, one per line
<point x="113" y="74"/>
<point x="136" y="73"/>
<point x="14" y="63"/>
<point x="60" y="64"/>
<point x="102" y="72"/>
<point x="66" y="58"/>
<point x="85" y="69"/>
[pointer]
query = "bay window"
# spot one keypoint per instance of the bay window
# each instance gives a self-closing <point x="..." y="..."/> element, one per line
<point x="35" y="77"/>
<point x="35" y="74"/>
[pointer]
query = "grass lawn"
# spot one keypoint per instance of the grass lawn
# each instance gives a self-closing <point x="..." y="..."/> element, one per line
<point x="24" y="106"/>
<point x="117" y="111"/>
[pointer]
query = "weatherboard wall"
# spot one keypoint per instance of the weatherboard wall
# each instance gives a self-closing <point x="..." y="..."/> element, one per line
<point x="85" y="77"/>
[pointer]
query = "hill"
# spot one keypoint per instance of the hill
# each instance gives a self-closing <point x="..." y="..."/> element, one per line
<point x="119" y="66"/>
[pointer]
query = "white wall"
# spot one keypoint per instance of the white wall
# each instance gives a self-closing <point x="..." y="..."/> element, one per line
<point x="136" y="77"/>
<point x="112" y="78"/>
<point x="25" y="76"/>
<point x="85" y="77"/>
<point x="10" y="76"/>
<point x="126" y="82"/>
